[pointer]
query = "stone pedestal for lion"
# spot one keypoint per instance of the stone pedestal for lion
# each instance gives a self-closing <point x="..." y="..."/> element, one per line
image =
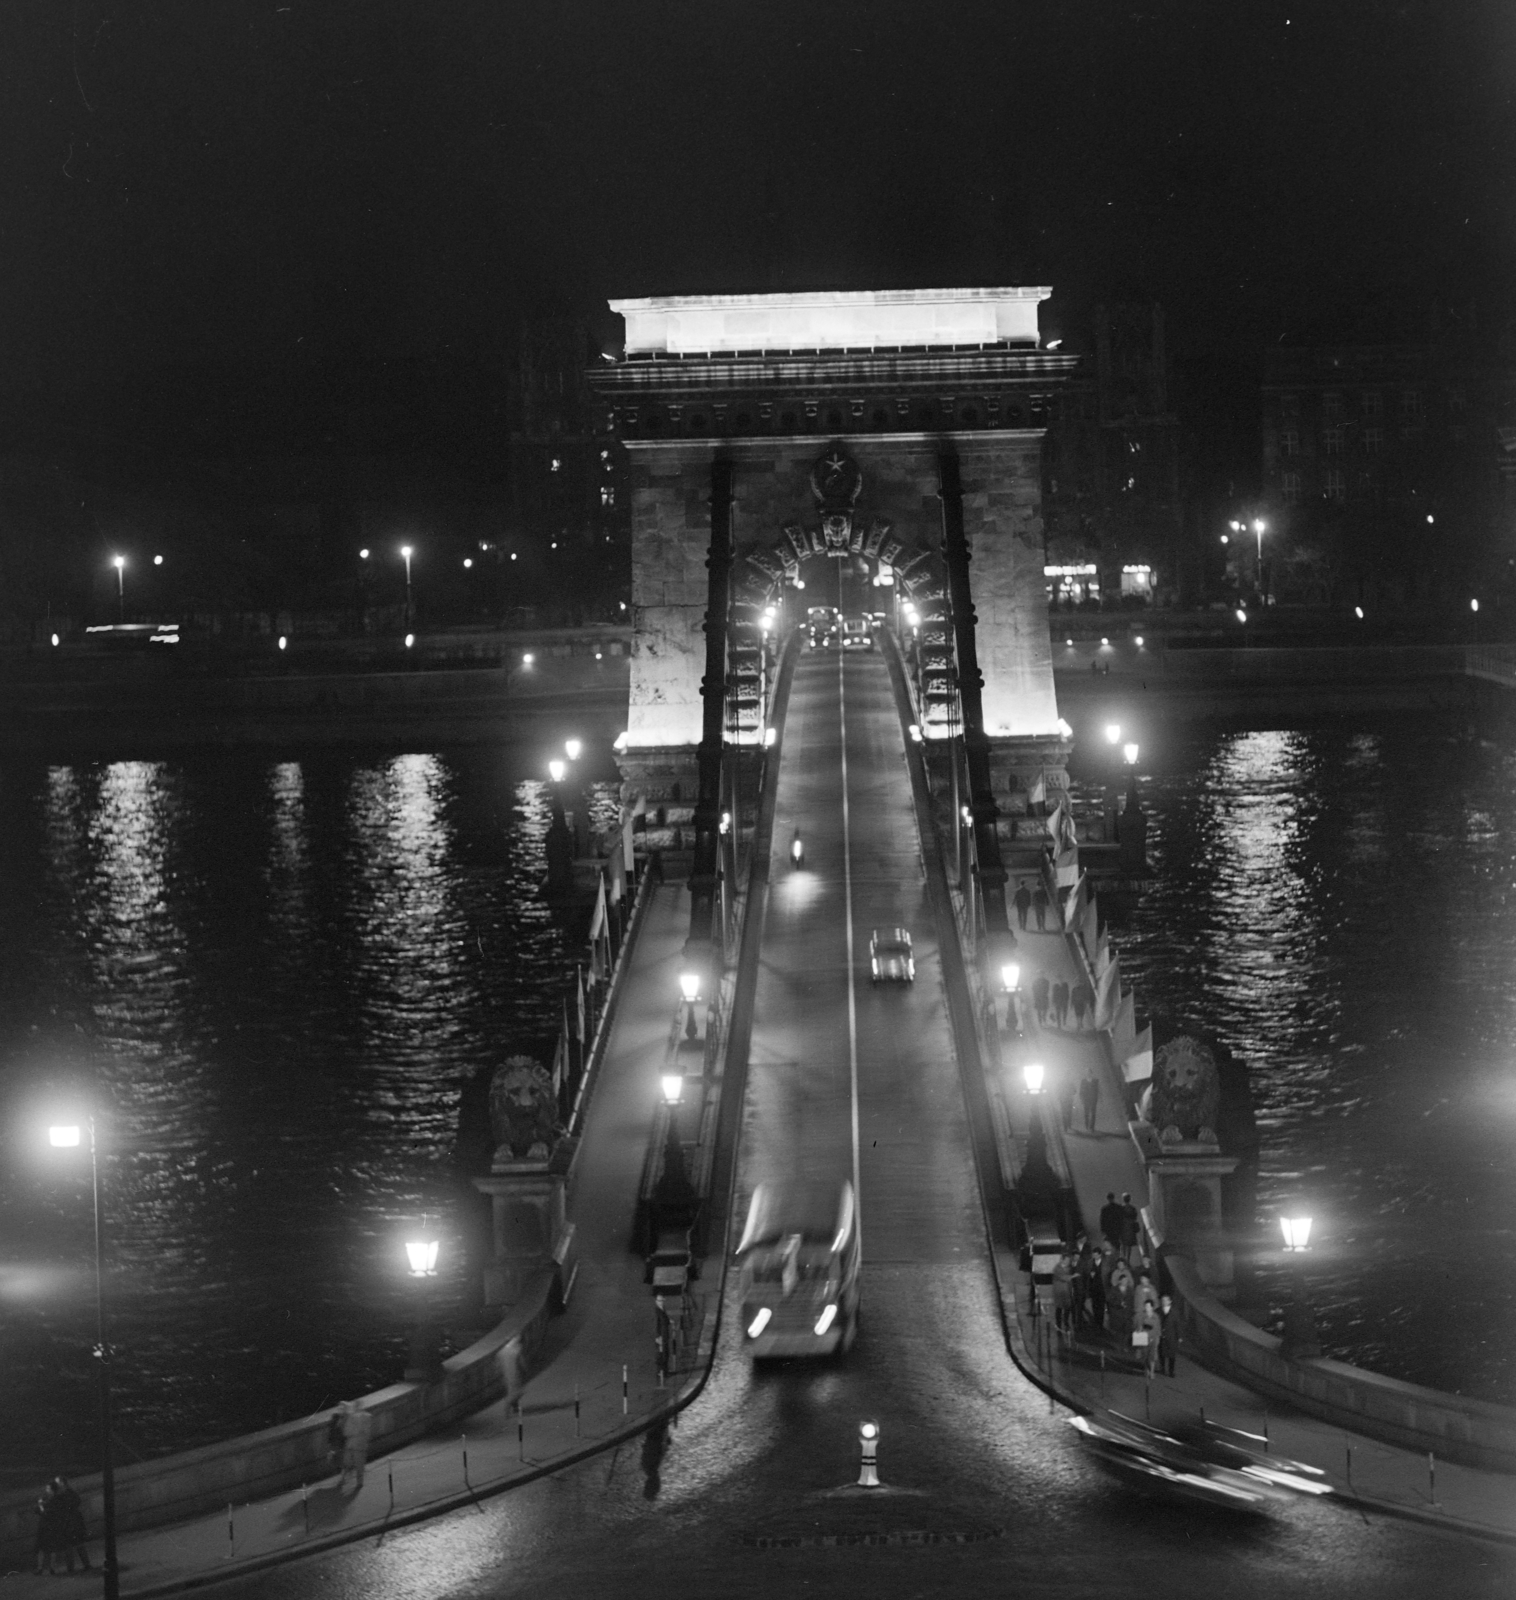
<point x="527" y="1185"/>
<point x="1185" y="1164"/>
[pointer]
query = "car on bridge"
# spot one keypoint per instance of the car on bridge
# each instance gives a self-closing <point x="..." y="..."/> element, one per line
<point x="821" y="624"/>
<point x="857" y="635"/>
<point x="891" y="959"/>
<point x="800" y="1258"/>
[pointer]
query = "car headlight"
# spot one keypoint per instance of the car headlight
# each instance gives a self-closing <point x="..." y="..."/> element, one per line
<point x="760" y="1322"/>
<point x="826" y="1319"/>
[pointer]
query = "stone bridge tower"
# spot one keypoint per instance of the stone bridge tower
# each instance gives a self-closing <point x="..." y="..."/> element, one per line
<point x="938" y="399"/>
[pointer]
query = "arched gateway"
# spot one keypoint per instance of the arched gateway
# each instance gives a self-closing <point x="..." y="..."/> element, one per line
<point x="765" y="430"/>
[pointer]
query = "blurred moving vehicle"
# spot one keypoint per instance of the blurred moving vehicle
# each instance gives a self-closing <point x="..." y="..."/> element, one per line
<point x="1211" y="1470"/>
<point x="857" y="634"/>
<point x="890" y="956"/>
<point x="799" y="1259"/>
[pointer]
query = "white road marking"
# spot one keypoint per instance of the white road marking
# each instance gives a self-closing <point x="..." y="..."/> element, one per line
<point x="852" y="970"/>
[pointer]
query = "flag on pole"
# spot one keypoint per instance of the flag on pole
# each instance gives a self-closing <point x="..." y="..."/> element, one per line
<point x="597" y="919"/>
<point x="1108" y="995"/>
<point x="1039" y="794"/>
<point x="1138" y="1067"/>
<point x="615" y="869"/>
<point x="1090" y="932"/>
<point x="628" y="848"/>
<point x="1102" y="952"/>
<point x="1124" y="1029"/>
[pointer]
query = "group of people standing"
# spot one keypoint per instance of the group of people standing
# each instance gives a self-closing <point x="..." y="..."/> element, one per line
<point x="60" y="1528"/>
<point x="1107" y="1289"/>
<point x="1053" y="1001"/>
<point x="1035" y="901"/>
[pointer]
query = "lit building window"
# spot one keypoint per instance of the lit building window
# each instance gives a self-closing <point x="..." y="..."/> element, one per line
<point x="1289" y="442"/>
<point x="1410" y="405"/>
<point x="607" y="495"/>
<point x="1291" y="485"/>
<point x="1331" y="404"/>
<point x="1336" y="487"/>
<point x="1372" y="403"/>
<point x="556" y="464"/>
<point x="1137" y="581"/>
<point x="1331" y="440"/>
<point x="1373" y="441"/>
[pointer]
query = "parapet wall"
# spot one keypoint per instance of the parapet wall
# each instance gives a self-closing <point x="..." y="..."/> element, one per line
<point x="1452" y="1427"/>
<point x="152" y="1493"/>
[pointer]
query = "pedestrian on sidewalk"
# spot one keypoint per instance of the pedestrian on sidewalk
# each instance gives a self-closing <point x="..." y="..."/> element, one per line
<point x="1129" y="1229"/>
<point x="1060" y="1002"/>
<point x="1083" y="998"/>
<point x="1089" y="1098"/>
<point x="1040" y="989"/>
<point x="1168" y="1337"/>
<point x="1023" y="903"/>
<point x="1118" y="1304"/>
<point x="1063" y="1294"/>
<point x="1040" y="907"/>
<point x="1068" y="1092"/>
<point x="334" y="1438"/>
<point x="357" y="1429"/>
<point x="69" y="1509"/>
<point x="1110" y="1220"/>
<point x="48" y="1544"/>
<point x="1146" y="1331"/>
<point x="1081" y="1282"/>
<point x="1094" y="1285"/>
<point x="1143" y="1292"/>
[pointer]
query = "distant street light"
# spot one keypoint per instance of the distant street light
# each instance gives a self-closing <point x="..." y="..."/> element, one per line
<point x="69" y="1137"/>
<point x="1297" y="1233"/>
<point x="573" y="747"/>
<point x="405" y="552"/>
<point x="421" y="1252"/>
<point x="1129" y="754"/>
<point x="1259" y="528"/>
<point x="556" y="770"/>
<point x="673" y="1088"/>
<point x="1010" y="977"/>
<point x="119" y="563"/>
<point x="1032" y="1074"/>
<point x="1113" y="733"/>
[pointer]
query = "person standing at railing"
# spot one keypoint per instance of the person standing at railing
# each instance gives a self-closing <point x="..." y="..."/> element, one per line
<point x="1040" y="907"/>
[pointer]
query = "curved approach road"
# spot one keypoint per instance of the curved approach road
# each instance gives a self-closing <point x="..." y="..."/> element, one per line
<point x="844" y="1077"/>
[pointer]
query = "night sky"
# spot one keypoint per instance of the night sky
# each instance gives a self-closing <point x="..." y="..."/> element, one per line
<point x="327" y="185"/>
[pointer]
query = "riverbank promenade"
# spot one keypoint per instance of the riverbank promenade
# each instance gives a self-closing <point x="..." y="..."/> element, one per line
<point x="594" y="1384"/>
<point x="1088" y="1373"/>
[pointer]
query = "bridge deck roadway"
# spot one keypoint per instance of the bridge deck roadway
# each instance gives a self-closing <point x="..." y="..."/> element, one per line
<point x="968" y="1445"/>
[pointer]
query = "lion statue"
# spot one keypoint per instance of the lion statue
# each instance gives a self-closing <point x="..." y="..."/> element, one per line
<point x="1186" y="1091"/>
<point x="523" y="1111"/>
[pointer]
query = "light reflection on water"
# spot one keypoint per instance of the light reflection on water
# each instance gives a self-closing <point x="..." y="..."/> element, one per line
<point x="283" y="974"/>
<point x="1338" y="905"/>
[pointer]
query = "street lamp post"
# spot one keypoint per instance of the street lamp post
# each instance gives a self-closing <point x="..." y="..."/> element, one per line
<point x="119" y="563"/>
<point x="421" y="1252"/>
<point x="65" y="1137"/>
<point x="405" y="553"/>
<point x="1259" y="528"/>
<point x="1300" y="1341"/>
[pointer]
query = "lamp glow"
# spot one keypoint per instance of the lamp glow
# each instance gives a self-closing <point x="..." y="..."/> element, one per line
<point x="673" y="1087"/>
<point x="1010" y="976"/>
<point x="67" y="1137"/>
<point x="1296" y="1231"/>
<point x="689" y="986"/>
<point x="556" y="770"/>
<point x="1129" y="751"/>
<point x="572" y="747"/>
<point x="421" y="1254"/>
<point x="1242" y="615"/>
<point x="1033" y="1073"/>
<point x="1113" y="733"/>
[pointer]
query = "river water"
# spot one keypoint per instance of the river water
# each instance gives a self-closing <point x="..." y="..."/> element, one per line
<point x="282" y="974"/>
<point x="279" y="976"/>
<point x="1340" y="906"/>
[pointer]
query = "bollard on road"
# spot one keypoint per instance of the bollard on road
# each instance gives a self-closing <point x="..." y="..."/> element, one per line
<point x="868" y="1444"/>
<point x="623" y="1392"/>
<point x="305" y="1506"/>
<point x="576" y="1410"/>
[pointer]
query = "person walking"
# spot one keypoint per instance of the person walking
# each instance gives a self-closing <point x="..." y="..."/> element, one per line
<point x="1094" y="1288"/>
<point x="1063" y="1293"/>
<point x="1081" y="1284"/>
<point x="357" y="1429"/>
<point x="1083" y="1000"/>
<point x="1129" y="1230"/>
<point x="1040" y="907"/>
<point x="1089" y="1099"/>
<point x="1168" y="1337"/>
<point x="1143" y="1293"/>
<point x="1110" y="1220"/>
<point x="1023" y="903"/>
<point x="48" y="1543"/>
<point x="1040" y="987"/>
<point x="334" y="1438"/>
<point x="1068" y="1092"/>
<point x="69" y="1509"/>
<point x="1060" y="1002"/>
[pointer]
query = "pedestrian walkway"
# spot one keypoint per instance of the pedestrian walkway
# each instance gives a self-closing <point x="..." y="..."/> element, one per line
<point x="1088" y="1373"/>
<point x="596" y="1379"/>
